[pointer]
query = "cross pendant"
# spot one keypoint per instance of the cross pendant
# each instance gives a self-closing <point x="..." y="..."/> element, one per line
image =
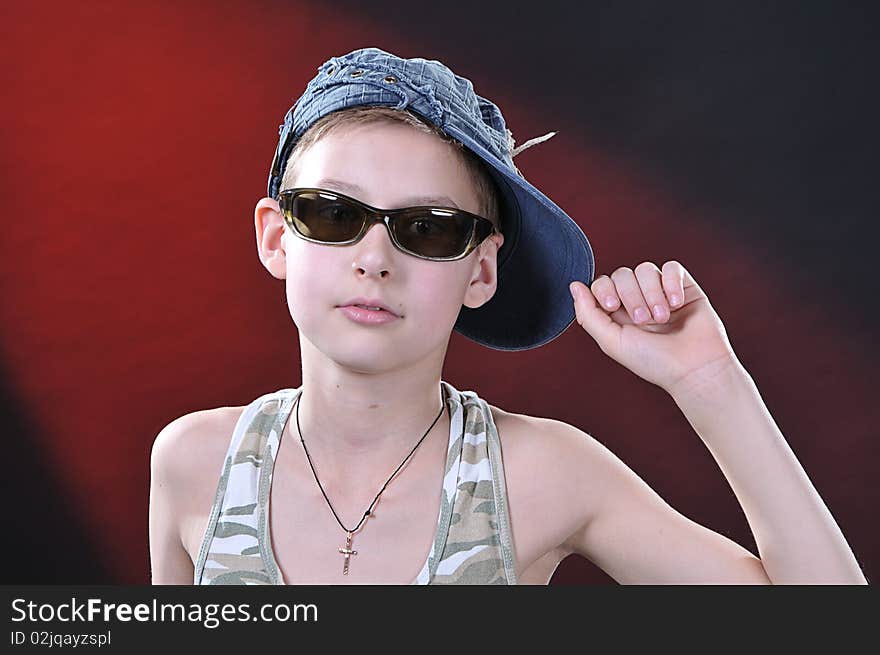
<point x="348" y="552"/>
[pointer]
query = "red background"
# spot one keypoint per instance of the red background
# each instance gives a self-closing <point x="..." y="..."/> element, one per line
<point x="136" y="140"/>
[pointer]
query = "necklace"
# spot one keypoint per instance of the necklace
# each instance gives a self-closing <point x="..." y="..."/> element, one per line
<point x="347" y="551"/>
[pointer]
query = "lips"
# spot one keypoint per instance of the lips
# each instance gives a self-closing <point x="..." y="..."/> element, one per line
<point x="368" y="303"/>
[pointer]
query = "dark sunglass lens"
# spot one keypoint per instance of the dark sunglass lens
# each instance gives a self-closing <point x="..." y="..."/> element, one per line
<point x="434" y="233"/>
<point x="325" y="217"/>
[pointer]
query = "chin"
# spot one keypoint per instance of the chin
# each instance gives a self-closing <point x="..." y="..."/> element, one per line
<point x="362" y="353"/>
<point x="363" y="362"/>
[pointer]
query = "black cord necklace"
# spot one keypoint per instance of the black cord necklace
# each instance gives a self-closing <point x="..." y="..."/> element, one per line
<point x="347" y="551"/>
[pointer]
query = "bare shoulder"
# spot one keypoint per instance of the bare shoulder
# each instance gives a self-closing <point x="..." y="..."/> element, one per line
<point x="565" y="453"/>
<point x="524" y="422"/>
<point x="185" y="466"/>
<point x="193" y="446"/>
<point x="547" y="440"/>
<point x="554" y="473"/>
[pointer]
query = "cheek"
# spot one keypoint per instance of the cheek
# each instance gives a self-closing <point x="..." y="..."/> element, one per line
<point x="435" y="295"/>
<point x="310" y="282"/>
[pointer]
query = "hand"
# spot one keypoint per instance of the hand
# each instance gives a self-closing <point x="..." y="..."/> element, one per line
<point x="672" y="344"/>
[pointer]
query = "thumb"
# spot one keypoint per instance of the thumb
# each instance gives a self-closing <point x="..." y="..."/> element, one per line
<point x="592" y="318"/>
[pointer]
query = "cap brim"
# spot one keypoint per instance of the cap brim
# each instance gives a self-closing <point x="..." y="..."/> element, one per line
<point x="544" y="251"/>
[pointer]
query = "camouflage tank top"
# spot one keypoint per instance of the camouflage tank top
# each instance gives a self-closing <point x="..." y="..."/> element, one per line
<point x="472" y="543"/>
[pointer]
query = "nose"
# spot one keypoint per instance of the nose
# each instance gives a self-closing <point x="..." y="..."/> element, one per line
<point x="374" y="252"/>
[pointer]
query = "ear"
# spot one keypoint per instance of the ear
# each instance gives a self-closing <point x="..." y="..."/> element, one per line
<point x="484" y="281"/>
<point x="269" y="226"/>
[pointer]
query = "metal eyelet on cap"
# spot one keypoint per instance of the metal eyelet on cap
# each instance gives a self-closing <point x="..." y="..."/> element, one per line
<point x="357" y="73"/>
<point x="390" y="78"/>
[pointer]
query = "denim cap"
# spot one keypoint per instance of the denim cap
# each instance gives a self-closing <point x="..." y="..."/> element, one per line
<point x="544" y="250"/>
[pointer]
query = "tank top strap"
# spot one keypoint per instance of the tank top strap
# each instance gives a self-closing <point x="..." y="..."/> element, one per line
<point x="478" y="546"/>
<point x="231" y="548"/>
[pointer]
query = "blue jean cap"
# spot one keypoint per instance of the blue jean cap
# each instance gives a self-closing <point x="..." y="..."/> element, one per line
<point x="544" y="250"/>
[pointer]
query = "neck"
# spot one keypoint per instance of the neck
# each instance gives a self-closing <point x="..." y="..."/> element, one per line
<point x="361" y="425"/>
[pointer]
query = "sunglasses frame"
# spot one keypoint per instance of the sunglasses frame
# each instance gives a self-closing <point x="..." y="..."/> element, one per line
<point x="481" y="228"/>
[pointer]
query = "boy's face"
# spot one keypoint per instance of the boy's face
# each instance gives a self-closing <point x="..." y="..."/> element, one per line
<point x="386" y="165"/>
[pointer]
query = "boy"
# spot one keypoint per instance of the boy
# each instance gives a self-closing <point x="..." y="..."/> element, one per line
<point x="463" y="242"/>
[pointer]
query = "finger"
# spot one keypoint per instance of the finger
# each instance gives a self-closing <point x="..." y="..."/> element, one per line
<point x="628" y="289"/>
<point x="673" y="282"/>
<point x="604" y="292"/>
<point x="690" y="287"/>
<point x="649" y="278"/>
<point x="593" y="319"/>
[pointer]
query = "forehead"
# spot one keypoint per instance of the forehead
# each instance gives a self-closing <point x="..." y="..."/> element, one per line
<point x="387" y="165"/>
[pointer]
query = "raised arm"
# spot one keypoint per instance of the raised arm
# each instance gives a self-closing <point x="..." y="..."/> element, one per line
<point x="683" y="348"/>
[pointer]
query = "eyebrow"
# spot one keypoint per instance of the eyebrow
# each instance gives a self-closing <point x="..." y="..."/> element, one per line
<point x="355" y="190"/>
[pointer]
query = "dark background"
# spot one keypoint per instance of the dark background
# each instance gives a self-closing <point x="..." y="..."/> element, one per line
<point x="738" y="138"/>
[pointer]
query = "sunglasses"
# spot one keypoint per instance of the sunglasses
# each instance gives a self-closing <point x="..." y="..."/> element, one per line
<point x="433" y="233"/>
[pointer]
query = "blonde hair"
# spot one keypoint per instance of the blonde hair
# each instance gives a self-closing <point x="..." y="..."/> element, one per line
<point x="487" y="192"/>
